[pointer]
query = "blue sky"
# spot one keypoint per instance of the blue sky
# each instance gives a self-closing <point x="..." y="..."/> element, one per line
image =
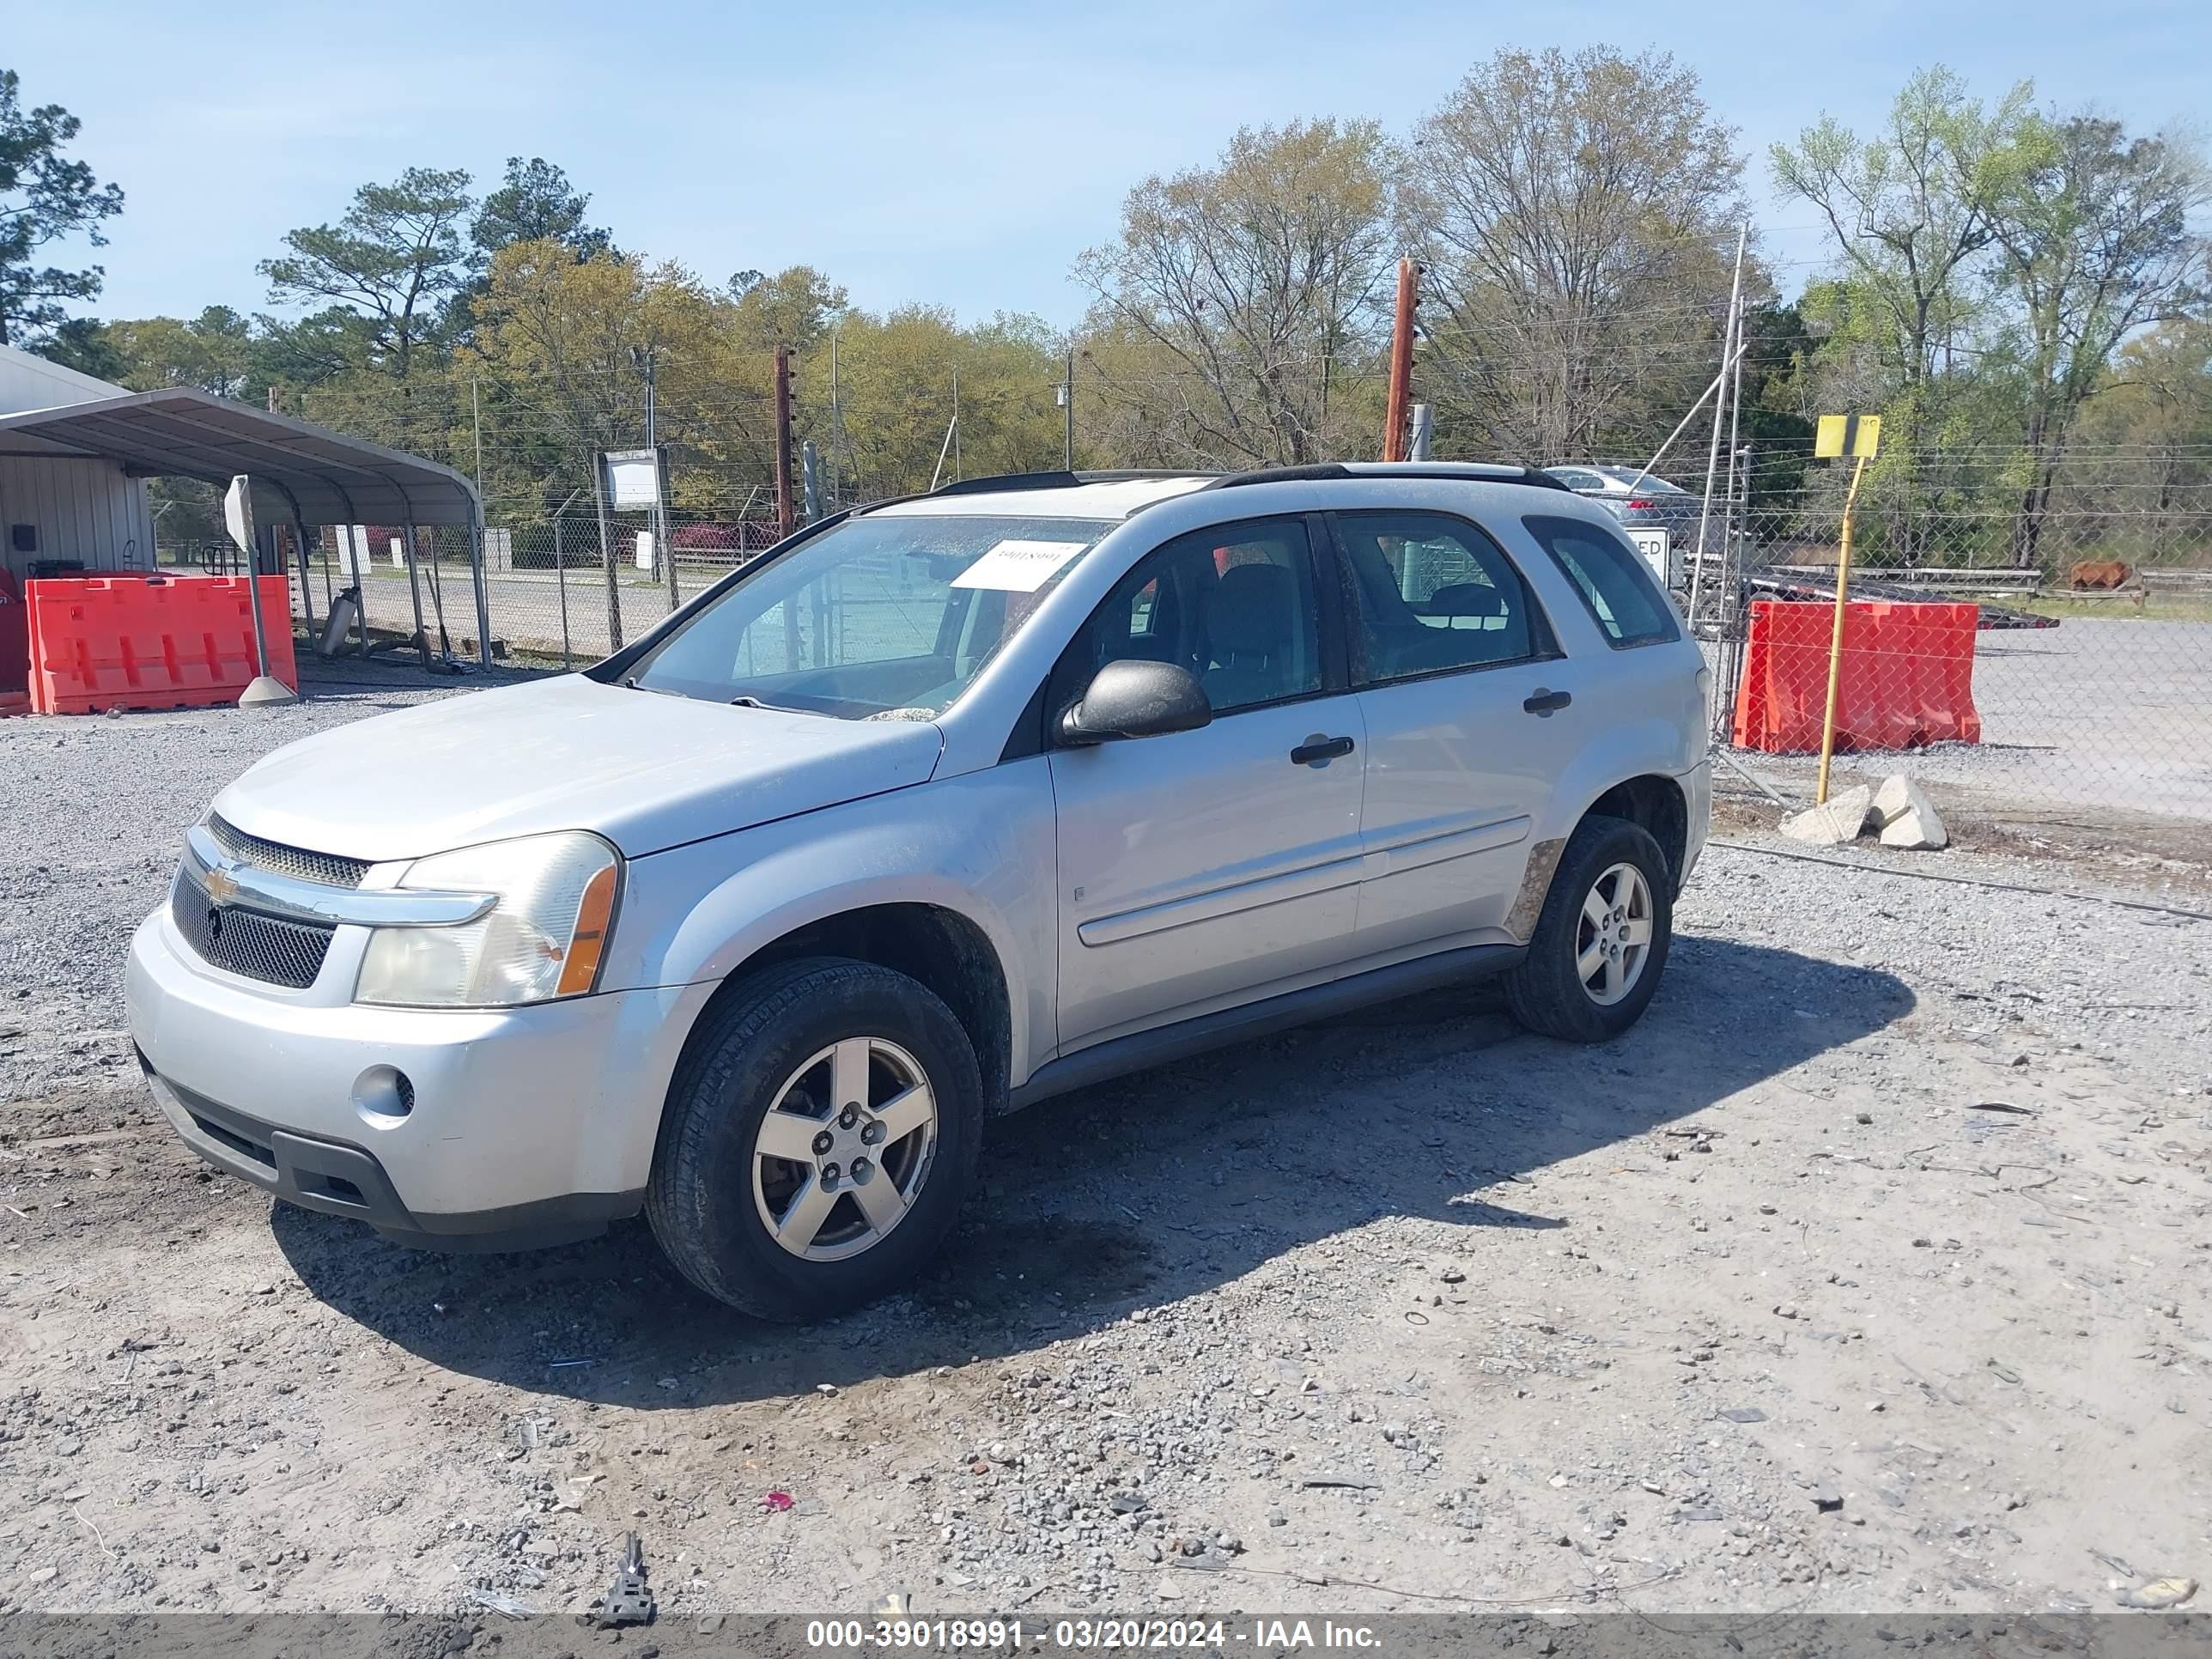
<point x="963" y="156"/>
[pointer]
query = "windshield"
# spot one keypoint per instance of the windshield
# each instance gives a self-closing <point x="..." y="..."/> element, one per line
<point x="887" y="616"/>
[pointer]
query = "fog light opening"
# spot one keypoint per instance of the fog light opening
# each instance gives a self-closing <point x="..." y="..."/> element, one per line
<point x="384" y="1096"/>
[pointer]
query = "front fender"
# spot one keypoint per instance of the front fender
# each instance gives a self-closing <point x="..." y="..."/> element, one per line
<point x="981" y="846"/>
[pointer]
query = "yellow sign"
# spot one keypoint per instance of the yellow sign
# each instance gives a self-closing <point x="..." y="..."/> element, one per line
<point x="1855" y="435"/>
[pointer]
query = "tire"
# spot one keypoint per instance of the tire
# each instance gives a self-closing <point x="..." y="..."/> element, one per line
<point x="1546" y="990"/>
<point x="782" y="1042"/>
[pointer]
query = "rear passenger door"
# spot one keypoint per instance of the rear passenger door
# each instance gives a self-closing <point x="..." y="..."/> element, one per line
<point x="1469" y="711"/>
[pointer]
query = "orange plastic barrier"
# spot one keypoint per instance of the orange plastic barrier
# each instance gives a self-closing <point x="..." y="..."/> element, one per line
<point x="1907" y="679"/>
<point x="102" y="642"/>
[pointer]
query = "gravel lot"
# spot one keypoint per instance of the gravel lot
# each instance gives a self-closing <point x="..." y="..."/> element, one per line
<point x="1870" y="1272"/>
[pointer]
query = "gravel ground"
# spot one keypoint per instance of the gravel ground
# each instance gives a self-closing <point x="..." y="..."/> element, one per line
<point x="1868" y="1272"/>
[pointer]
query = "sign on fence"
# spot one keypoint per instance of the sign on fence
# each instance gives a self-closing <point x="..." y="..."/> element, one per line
<point x="1657" y="547"/>
<point x="631" y="477"/>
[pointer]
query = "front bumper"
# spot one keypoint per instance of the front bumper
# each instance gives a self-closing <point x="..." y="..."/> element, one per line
<point x="522" y="1125"/>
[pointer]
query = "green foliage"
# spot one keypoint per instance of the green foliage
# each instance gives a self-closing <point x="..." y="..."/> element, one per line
<point x="44" y="198"/>
<point x="83" y="344"/>
<point x="390" y="259"/>
<point x="537" y="204"/>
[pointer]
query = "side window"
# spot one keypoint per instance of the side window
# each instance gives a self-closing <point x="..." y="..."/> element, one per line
<point x="1233" y="603"/>
<point x="1614" y="582"/>
<point x="1435" y="595"/>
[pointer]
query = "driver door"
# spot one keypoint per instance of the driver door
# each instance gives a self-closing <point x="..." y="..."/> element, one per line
<point x="1201" y="869"/>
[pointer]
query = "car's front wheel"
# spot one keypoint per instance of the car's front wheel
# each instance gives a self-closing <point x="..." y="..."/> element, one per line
<point x="822" y="1133"/>
<point x="1600" y="941"/>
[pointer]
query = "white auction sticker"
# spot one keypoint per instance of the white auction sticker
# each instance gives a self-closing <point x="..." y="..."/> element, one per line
<point x="1018" y="567"/>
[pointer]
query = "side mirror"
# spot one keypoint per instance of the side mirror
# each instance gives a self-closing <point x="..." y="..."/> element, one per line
<point x="1136" y="699"/>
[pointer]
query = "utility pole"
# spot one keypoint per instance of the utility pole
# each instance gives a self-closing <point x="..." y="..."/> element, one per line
<point x="1401" y="361"/>
<point x="1424" y="425"/>
<point x="956" y="424"/>
<point x="1729" y="349"/>
<point x="644" y="355"/>
<point x="607" y="554"/>
<point x="476" y="420"/>
<point x="836" y="421"/>
<point x="1067" y="402"/>
<point x="786" y="508"/>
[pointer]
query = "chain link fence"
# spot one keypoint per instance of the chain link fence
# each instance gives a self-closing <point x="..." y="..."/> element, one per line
<point x="2025" y="651"/>
<point x="2030" y="652"/>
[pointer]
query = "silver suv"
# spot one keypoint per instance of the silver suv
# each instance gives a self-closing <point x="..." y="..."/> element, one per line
<point x="940" y="807"/>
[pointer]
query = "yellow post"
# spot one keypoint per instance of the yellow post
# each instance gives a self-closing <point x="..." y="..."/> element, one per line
<point x="1835" y="634"/>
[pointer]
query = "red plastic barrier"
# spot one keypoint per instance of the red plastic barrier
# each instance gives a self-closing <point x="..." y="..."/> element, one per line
<point x="14" y="648"/>
<point x="102" y="642"/>
<point x="1907" y="679"/>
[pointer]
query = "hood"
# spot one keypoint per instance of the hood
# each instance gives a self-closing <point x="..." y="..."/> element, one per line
<point x="645" y="770"/>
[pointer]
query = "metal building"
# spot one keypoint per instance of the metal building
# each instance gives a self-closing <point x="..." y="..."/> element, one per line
<point x="56" y="502"/>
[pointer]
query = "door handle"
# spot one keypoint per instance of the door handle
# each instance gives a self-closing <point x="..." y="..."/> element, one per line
<point x="1545" y="701"/>
<point x="1317" y="749"/>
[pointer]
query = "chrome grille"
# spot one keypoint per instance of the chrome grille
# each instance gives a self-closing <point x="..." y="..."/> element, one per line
<point x="296" y="862"/>
<point x="243" y="942"/>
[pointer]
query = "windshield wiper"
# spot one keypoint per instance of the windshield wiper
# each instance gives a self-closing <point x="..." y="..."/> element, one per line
<point x="746" y="700"/>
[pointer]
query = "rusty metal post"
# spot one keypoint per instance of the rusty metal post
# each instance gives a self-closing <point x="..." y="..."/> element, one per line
<point x="786" y="508"/>
<point x="1401" y="362"/>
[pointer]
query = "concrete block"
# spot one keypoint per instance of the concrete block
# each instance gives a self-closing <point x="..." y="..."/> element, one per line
<point x="1905" y="816"/>
<point x="1839" y="819"/>
<point x="1917" y="828"/>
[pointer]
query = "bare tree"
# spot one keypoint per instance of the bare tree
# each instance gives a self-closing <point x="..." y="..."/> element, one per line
<point x="1572" y="213"/>
<point x="1236" y="296"/>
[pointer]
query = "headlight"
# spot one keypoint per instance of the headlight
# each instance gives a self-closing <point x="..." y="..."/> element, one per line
<point x="543" y="939"/>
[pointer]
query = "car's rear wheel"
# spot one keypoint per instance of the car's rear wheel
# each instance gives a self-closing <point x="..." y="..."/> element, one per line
<point x="1600" y="942"/>
<point x="822" y="1133"/>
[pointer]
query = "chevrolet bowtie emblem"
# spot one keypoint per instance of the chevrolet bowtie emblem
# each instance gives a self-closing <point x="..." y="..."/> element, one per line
<point x="222" y="886"/>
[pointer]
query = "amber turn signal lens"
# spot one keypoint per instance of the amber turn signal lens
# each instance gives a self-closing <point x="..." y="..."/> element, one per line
<point x="580" y="971"/>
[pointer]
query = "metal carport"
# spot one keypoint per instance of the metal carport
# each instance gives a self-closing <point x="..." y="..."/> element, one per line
<point x="313" y="475"/>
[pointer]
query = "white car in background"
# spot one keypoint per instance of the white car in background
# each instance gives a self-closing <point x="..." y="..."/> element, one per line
<point x="942" y="806"/>
<point x="1636" y="498"/>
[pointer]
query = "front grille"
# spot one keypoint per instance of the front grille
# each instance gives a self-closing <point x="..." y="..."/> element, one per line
<point x="294" y="862"/>
<point x="243" y="942"/>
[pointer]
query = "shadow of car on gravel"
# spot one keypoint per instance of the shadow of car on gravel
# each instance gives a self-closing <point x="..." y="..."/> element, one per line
<point x="1140" y="1191"/>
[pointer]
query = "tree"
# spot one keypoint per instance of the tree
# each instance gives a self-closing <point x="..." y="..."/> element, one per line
<point x="214" y="352"/>
<point x="895" y="404"/>
<point x="84" y="345"/>
<point x="2094" y="242"/>
<point x="537" y="204"/>
<point x="1575" y="215"/>
<point x="1911" y="208"/>
<point x="395" y="254"/>
<point x="1240" y="299"/>
<point x="44" y="198"/>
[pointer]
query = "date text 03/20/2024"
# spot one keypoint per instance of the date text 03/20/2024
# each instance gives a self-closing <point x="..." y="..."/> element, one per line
<point x="1076" y="1635"/>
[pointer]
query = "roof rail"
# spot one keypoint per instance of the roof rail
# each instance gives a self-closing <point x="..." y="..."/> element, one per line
<point x="1464" y="471"/>
<point x="1009" y="481"/>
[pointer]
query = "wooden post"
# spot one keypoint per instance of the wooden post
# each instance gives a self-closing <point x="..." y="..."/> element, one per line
<point x="1401" y="362"/>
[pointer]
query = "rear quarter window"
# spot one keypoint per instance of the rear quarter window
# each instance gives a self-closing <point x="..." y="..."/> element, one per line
<point x="1611" y="579"/>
